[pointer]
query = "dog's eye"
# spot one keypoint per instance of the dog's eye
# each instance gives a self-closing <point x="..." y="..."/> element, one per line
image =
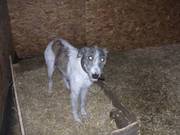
<point x="102" y="59"/>
<point x="90" y="58"/>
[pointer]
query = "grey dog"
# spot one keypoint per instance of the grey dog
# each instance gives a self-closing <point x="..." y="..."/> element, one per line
<point x="79" y="68"/>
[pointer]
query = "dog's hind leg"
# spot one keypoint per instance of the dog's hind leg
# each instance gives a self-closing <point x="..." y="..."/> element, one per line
<point x="50" y="74"/>
<point x="50" y="62"/>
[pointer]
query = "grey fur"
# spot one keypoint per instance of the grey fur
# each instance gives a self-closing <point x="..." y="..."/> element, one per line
<point x="79" y="67"/>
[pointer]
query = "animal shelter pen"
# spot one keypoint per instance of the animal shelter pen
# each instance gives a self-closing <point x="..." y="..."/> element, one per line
<point x="142" y="74"/>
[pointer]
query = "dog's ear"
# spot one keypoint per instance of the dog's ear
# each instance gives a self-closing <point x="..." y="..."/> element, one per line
<point x="81" y="51"/>
<point x="105" y="51"/>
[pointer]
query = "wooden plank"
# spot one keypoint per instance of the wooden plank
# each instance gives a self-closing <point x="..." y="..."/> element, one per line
<point x="1" y="92"/>
<point x="17" y="101"/>
<point x="131" y="129"/>
<point x="5" y="79"/>
<point x="5" y="49"/>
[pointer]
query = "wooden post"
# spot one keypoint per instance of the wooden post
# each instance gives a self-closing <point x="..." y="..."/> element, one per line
<point x="6" y="49"/>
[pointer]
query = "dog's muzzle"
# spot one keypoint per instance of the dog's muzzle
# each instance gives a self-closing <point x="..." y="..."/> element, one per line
<point x="95" y="76"/>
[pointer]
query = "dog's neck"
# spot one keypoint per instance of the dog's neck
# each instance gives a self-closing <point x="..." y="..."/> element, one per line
<point x="83" y="66"/>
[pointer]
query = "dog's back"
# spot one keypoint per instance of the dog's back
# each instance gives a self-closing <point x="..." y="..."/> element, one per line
<point x="57" y="55"/>
<point x="61" y="56"/>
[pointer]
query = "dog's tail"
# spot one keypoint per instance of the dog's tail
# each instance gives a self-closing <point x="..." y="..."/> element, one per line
<point x="63" y="42"/>
<point x="66" y="44"/>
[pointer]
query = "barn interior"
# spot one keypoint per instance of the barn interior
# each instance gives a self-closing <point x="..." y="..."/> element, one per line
<point x="142" y="71"/>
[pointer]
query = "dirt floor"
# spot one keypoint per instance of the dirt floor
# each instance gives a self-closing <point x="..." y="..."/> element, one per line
<point x="147" y="81"/>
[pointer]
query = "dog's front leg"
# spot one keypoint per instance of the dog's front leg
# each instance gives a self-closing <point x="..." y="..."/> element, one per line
<point x="83" y="102"/>
<point x="74" y="102"/>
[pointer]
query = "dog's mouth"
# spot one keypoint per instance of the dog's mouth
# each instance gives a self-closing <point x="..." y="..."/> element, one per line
<point x="95" y="77"/>
<point x="94" y="80"/>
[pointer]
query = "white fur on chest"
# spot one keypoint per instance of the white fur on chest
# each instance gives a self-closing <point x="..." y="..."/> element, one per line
<point x="75" y="72"/>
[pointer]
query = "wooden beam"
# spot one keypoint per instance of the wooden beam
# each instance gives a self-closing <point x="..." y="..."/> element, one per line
<point x="6" y="49"/>
<point x="131" y="129"/>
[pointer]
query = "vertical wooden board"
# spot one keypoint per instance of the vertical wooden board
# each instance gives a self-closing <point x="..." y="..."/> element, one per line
<point x="91" y="22"/>
<point x="35" y="23"/>
<point x="5" y="49"/>
<point x="114" y="24"/>
<point x="106" y="23"/>
<point x="1" y="94"/>
<point x="146" y="23"/>
<point x="5" y="79"/>
<point x="99" y="23"/>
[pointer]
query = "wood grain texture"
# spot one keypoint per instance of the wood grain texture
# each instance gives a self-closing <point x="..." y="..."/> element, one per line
<point x="5" y="50"/>
<point x="114" y="24"/>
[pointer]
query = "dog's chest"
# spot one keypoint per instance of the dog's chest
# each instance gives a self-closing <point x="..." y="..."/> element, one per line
<point x="77" y="74"/>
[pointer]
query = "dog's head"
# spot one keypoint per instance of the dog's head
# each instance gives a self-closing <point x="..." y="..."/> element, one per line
<point x="93" y="60"/>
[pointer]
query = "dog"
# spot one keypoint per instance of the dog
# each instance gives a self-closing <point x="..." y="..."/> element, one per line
<point x="79" y="68"/>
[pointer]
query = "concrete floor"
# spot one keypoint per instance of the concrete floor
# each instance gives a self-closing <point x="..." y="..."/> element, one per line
<point x="147" y="81"/>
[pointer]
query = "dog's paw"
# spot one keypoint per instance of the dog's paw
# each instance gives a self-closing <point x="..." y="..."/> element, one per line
<point x="84" y="114"/>
<point x="78" y="120"/>
<point x="76" y="117"/>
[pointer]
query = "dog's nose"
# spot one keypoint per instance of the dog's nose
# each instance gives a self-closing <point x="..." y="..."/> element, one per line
<point x="95" y="76"/>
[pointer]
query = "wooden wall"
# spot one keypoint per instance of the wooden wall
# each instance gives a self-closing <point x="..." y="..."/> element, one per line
<point x="5" y="50"/>
<point x="115" y="24"/>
